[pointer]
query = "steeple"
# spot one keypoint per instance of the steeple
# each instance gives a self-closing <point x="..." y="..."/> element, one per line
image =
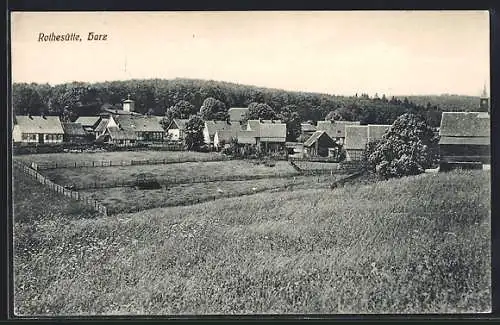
<point x="484" y="101"/>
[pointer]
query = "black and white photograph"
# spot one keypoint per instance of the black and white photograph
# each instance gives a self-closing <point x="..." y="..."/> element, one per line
<point x="250" y="162"/>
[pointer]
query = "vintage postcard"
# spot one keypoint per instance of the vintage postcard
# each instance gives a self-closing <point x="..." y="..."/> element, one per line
<point x="251" y="162"/>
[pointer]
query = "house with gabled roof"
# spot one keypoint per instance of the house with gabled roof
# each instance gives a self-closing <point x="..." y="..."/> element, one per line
<point x="306" y="130"/>
<point x="89" y="123"/>
<point x="319" y="144"/>
<point x="176" y="131"/>
<point x="145" y="128"/>
<point x="464" y="139"/>
<point x="270" y="135"/>
<point x="120" y="137"/>
<point x="104" y="124"/>
<point x="211" y="128"/>
<point x="335" y="129"/>
<point x="356" y="138"/>
<point x="37" y="129"/>
<point x="75" y="133"/>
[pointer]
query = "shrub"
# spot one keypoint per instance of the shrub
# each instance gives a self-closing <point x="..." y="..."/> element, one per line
<point x="407" y="148"/>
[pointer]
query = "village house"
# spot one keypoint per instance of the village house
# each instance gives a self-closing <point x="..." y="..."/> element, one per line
<point x="37" y="129"/>
<point x="464" y="139"/>
<point x="145" y="128"/>
<point x="176" y="129"/>
<point x="237" y="114"/>
<point x="356" y="138"/>
<point x="377" y="131"/>
<point x="120" y="137"/>
<point x="211" y="128"/>
<point x="104" y="124"/>
<point x="320" y="144"/>
<point x="223" y="137"/>
<point x="270" y="135"/>
<point x="335" y="129"/>
<point x="74" y="133"/>
<point x="89" y="123"/>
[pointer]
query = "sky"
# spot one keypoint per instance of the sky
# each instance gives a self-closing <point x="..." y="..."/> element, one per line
<point x="334" y="52"/>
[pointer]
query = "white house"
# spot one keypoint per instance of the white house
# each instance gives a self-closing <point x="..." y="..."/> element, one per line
<point x="176" y="129"/>
<point x="38" y="129"/>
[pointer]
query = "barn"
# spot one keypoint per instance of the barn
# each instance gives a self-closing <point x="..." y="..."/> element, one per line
<point x="356" y="138"/>
<point x="37" y="129"/>
<point x="318" y="144"/>
<point x="464" y="139"/>
<point x="120" y="137"/>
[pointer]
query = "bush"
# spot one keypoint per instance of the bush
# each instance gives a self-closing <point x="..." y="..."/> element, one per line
<point x="407" y="148"/>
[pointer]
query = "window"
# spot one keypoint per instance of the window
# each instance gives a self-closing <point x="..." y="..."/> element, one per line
<point x="25" y="136"/>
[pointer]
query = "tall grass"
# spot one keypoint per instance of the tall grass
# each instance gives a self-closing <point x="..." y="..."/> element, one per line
<point x="411" y="245"/>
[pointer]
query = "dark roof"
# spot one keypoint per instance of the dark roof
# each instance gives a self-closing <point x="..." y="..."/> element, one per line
<point x="465" y="124"/>
<point x="237" y="113"/>
<point x="117" y="134"/>
<point x="376" y="131"/>
<point x="138" y="123"/>
<point x="335" y="129"/>
<point x="38" y="124"/>
<point x="73" y="129"/>
<point x="88" y="120"/>
<point x="356" y="137"/>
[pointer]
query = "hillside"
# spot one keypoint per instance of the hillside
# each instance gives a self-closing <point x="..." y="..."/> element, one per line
<point x="409" y="245"/>
<point x="447" y="102"/>
<point x="156" y="95"/>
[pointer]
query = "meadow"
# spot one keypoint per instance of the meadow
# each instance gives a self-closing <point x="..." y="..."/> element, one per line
<point x="129" y="199"/>
<point x="183" y="172"/>
<point x="412" y="245"/>
<point x="112" y="155"/>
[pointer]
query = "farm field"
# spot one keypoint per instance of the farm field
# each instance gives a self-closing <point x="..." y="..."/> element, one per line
<point x="412" y="245"/>
<point x="164" y="173"/>
<point x="128" y="199"/>
<point x="113" y="156"/>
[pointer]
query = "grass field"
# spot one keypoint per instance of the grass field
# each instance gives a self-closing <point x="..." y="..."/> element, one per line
<point x="164" y="173"/>
<point x="128" y="199"/>
<point x="113" y="156"/>
<point x="411" y="245"/>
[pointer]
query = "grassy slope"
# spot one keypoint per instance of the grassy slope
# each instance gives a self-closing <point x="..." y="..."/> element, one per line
<point x="417" y="244"/>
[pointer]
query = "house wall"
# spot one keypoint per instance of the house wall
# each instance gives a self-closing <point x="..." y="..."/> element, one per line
<point x="464" y="153"/>
<point x="16" y="134"/>
<point x="149" y="136"/>
<point x="174" y="134"/>
<point x="206" y="136"/>
<point x="53" y="138"/>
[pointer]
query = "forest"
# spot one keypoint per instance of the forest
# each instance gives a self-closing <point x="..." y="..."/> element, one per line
<point x="156" y="96"/>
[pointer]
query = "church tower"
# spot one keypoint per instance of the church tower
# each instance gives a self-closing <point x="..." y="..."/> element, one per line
<point x="484" y="101"/>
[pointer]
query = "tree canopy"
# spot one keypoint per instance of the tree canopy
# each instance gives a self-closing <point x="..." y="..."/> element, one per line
<point x="213" y="109"/>
<point x="158" y="95"/>
<point x="407" y="148"/>
<point x="194" y="133"/>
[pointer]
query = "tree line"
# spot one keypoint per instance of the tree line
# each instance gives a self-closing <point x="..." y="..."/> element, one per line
<point x="181" y="97"/>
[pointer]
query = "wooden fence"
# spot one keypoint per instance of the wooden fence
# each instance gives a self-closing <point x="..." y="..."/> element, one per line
<point x="111" y="163"/>
<point x="86" y="199"/>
